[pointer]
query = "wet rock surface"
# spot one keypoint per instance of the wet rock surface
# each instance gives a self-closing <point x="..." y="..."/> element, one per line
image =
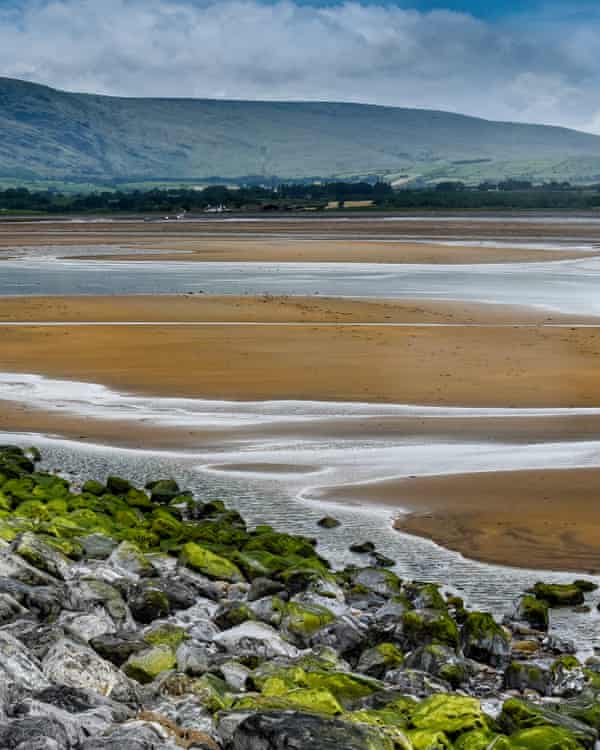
<point x="139" y="619"/>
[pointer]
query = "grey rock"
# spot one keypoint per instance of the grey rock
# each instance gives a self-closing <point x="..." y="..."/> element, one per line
<point x="19" y="666"/>
<point x="416" y="683"/>
<point x="128" y="559"/>
<point x="524" y="676"/>
<point x="439" y="661"/>
<point x="74" y="665"/>
<point x="194" y="658"/>
<point x="235" y="675"/>
<point x="255" y="639"/>
<point x="33" y="729"/>
<point x="86" y="626"/>
<point x="10" y="609"/>
<point x="97" y="546"/>
<point x="346" y="635"/>
<point x="264" y="587"/>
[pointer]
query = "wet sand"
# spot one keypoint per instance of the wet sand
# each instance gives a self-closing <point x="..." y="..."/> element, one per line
<point x="302" y="240"/>
<point x="531" y="519"/>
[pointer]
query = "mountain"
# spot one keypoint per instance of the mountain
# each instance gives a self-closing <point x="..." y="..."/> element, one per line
<point x="47" y="134"/>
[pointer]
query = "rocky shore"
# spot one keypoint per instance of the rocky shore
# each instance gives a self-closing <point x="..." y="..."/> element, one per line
<point x="139" y="619"/>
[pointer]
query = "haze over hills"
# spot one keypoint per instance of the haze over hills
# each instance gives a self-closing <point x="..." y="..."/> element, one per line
<point x="52" y="135"/>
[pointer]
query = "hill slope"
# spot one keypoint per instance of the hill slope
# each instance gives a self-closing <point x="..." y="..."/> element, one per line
<point x="49" y="134"/>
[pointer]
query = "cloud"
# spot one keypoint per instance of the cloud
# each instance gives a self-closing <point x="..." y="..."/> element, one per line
<point x="543" y="70"/>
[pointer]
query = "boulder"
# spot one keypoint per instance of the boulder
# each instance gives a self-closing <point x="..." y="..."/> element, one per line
<point x="128" y="559"/>
<point x="439" y="661"/>
<point x="328" y="522"/>
<point x="148" y="602"/>
<point x="532" y="611"/>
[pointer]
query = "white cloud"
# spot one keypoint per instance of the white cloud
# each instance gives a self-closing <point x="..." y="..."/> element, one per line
<point x="247" y="49"/>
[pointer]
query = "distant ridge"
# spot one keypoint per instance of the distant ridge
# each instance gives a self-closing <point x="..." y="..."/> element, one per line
<point x="47" y="134"/>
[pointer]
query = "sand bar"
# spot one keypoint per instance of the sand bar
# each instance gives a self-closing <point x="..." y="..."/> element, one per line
<point x="536" y="519"/>
<point x="303" y="240"/>
<point x="454" y="366"/>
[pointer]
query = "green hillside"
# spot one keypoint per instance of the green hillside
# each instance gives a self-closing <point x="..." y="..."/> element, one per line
<point x="52" y="135"/>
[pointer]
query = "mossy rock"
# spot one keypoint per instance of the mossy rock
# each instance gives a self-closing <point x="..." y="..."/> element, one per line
<point x="425" y="596"/>
<point x="209" y="564"/>
<point x="165" y="525"/>
<point x="525" y="676"/>
<point x="314" y="700"/>
<point x="281" y="544"/>
<point x="35" y="510"/>
<point x="424" y="739"/>
<point x="138" y="499"/>
<point x="166" y="634"/>
<point x="544" y="738"/>
<point x="519" y="714"/>
<point x="118" y="486"/>
<point x="145" y="666"/>
<point x="304" y="620"/>
<point x="231" y="614"/>
<point x="163" y="490"/>
<point x="559" y="594"/>
<point x="449" y="713"/>
<point x="482" y="739"/>
<point x="213" y="693"/>
<point x="585" y="586"/>
<point x="328" y="522"/>
<point x="217" y="532"/>
<point x="484" y="640"/>
<point x="534" y="612"/>
<point x="429" y="626"/>
<point x="93" y="487"/>
<point x="584" y="708"/>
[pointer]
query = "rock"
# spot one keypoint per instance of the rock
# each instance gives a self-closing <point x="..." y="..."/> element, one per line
<point x="118" y="486"/>
<point x="532" y="611"/>
<point x="415" y="683"/>
<point x="544" y="738"/>
<point x="10" y="609"/>
<point x="86" y="626"/>
<point x="425" y="626"/>
<point x="145" y="666"/>
<point x="255" y="639"/>
<point x="163" y="491"/>
<point x="230" y="614"/>
<point x="42" y="556"/>
<point x="568" y="677"/>
<point x="378" y="660"/>
<point x="18" y="666"/>
<point x="236" y="675"/>
<point x="518" y="715"/>
<point x="484" y="640"/>
<point x="35" y="729"/>
<point x="135" y="735"/>
<point x="71" y="664"/>
<point x="93" y="487"/>
<point x="281" y="730"/>
<point x="585" y="586"/>
<point x="118" y="647"/>
<point x="97" y="546"/>
<point x="262" y="587"/>
<point x="91" y="594"/>
<point x="148" y="603"/>
<point x="346" y="635"/>
<point x="523" y="676"/>
<point x="363" y="548"/>
<point x="206" y="562"/>
<point x="559" y="594"/>
<point x="439" y="661"/>
<point x="328" y="522"/>
<point x="194" y="658"/>
<point x="128" y="559"/>
<point x="382" y="561"/>
<point x="301" y="621"/>
<point x="451" y="714"/>
<point x="425" y="596"/>
<point x="385" y="583"/>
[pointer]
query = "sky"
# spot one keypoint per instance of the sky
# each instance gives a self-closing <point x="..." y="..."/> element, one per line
<point x="528" y="61"/>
